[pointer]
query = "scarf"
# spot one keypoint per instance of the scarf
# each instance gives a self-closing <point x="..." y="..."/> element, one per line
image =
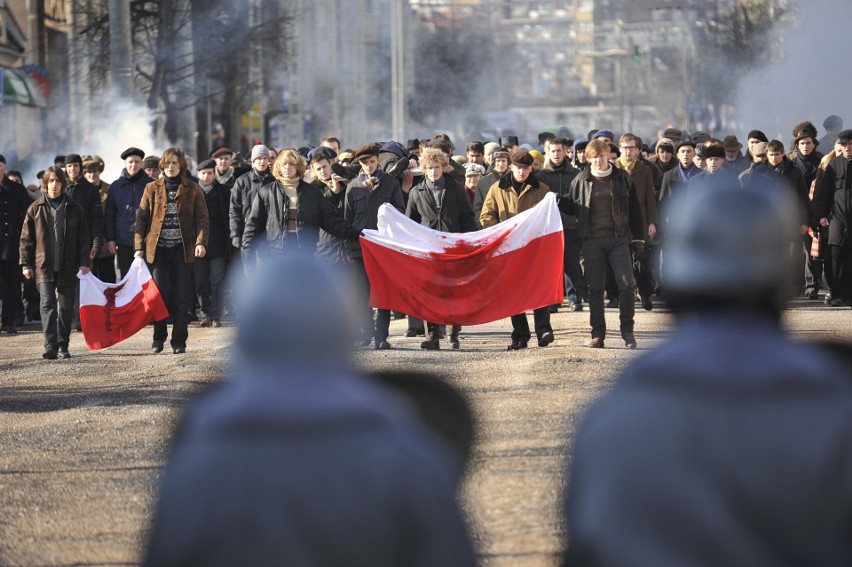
<point x="628" y="166"/>
<point x="686" y="174"/>
<point x="134" y="178"/>
<point x="205" y="188"/>
<point x="601" y="174"/>
<point x="370" y="181"/>
<point x="290" y="189"/>
<point x="224" y="178"/>
<point x="55" y="203"/>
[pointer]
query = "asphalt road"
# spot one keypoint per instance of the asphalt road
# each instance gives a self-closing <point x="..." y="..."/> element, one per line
<point x="82" y="441"/>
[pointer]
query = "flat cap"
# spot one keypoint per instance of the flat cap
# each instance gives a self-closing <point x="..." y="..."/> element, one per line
<point x="222" y="152"/>
<point x="522" y="158"/>
<point x="132" y="152"/>
<point x="365" y="151"/>
<point x="206" y="164"/>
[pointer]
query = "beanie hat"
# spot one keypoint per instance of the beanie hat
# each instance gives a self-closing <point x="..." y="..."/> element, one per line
<point x="757" y="135"/>
<point x="151" y="162"/>
<point x="259" y="151"/>
<point x="833" y="122"/>
<point x="604" y="134"/>
<point x="73" y="158"/>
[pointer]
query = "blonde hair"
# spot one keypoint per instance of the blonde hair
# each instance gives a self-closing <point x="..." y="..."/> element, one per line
<point x="433" y="155"/>
<point x="288" y="156"/>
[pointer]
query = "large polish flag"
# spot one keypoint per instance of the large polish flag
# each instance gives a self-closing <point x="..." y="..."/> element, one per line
<point x="110" y="313"/>
<point x="466" y="279"/>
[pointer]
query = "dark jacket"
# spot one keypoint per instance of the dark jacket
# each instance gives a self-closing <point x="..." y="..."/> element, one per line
<point x="242" y="197"/>
<point x="218" y="203"/>
<point x="789" y="179"/>
<point x="361" y="206"/>
<point x="643" y="182"/>
<point x="14" y="202"/>
<point x="89" y="197"/>
<point x="123" y="199"/>
<point x="191" y="212"/>
<point x="626" y="211"/>
<point x="717" y="454"/>
<point x="267" y="221"/>
<point x="737" y="166"/>
<point x="808" y="167"/>
<point x="559" y="180"/>
<point x="482" y="188"/>
<point x="833" y="200"/>
<point x="331" y="249"/>
<point x="72" y="244"/>
<point x="705" y="179"/>
<point x="456" y="213"/>
<point x="673" y="180"/>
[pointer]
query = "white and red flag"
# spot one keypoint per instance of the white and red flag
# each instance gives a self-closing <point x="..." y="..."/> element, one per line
<point x="469" y="278"/>
<point x="110" y="313"/>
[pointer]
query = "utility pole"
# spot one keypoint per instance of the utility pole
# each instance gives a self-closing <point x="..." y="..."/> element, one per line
<point x="120" y="46"/>
<point x="398" y="69"/>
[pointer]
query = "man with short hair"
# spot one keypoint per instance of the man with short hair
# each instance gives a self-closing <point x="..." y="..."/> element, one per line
<point x="330" y="248"/>
<point x="123" y="198"/>
<point x="364" y="195"/>
<point x="603" y="198"/>
<point x="209" y="271"/>
<point x="679" y="175"/>
<point x="14" y="202"/>
<point x="103" y="266"/>
<point x="558" y="175"/>
<point x="515" y="193"/>
<point x="475" y="153"/>
<point x="87" y="196"/>
<point x="643" y="183"/>
<point x="807" y="159"/>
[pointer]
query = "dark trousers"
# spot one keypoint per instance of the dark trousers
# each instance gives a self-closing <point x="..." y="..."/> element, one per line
<point x="208" y="275"/>
<point x="598" y="253"/>
<point x="104" y="269"/>
<point x="521" y="327"/>
<point x="381" y="329"/>
<point x="57" y="310"/>
<point x="32" y="304"/>
<point x="173" y="276"/>
<point x="10" y="290"/>
<point x="571" y="265"/>
<point x="841" y="267"/>
<point x="125" y="258"/>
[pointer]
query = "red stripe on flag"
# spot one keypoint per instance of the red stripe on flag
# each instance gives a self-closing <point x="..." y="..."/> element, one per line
<point x="461" y="288"/>
<point x="106" y="325"/>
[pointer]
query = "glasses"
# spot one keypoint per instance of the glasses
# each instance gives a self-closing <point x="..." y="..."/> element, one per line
<point x="628" y="148"/>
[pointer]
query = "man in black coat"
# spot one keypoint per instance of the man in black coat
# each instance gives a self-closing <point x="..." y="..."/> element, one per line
<point x="558" y="175"/>
<point x="833" y="208"/>
<point x="439" y="203"/>
<point x="14" y="202"/>
<point x="209" y="272"/>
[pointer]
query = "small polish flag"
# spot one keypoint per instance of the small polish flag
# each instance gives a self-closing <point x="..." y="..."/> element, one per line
<point x="470" y="278"/>
<point x="110" y="313"/>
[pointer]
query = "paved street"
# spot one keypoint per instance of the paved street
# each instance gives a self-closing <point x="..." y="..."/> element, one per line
<point x="82" y="442"/>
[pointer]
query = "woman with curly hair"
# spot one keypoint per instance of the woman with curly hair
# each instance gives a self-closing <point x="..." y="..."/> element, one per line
<point x="291" y="211"/>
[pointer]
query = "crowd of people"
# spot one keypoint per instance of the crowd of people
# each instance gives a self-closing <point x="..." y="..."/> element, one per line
<point x="193" y="225"/>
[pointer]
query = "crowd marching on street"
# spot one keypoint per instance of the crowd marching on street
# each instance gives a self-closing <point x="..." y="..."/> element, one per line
<point x="194" y="225"/>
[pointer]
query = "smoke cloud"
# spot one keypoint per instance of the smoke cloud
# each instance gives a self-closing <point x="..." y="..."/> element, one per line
<point x="805" y="81"/>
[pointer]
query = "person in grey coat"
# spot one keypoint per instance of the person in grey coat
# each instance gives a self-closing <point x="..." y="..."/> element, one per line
<point x="299" y="460"/>
<point x="731" y="444"/>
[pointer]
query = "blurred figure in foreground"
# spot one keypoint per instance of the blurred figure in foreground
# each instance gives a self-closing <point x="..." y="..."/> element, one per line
<point x="731" y="444"/>
<point x="298" y="460"/>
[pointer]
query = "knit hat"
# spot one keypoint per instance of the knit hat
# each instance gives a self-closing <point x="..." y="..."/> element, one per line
<point x="132" y="152"/>
<point x="222" y="152"/>
<point x="713" y="150"/>
<point x="757" y="135"/>
<point x="666" y="143"/>
<point x="471" y="169"/>
<point x="73" y="158"/>
<point x="490" y="147"/>
<point x="206" y="164"/>
<point x="580" y="145"/>
<point x="259" y="151"/>
<point x="522" y="158"/>
<point x="151" y="162"/>
<point x="833" y="122"/>
<point x="604" y="134"/>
